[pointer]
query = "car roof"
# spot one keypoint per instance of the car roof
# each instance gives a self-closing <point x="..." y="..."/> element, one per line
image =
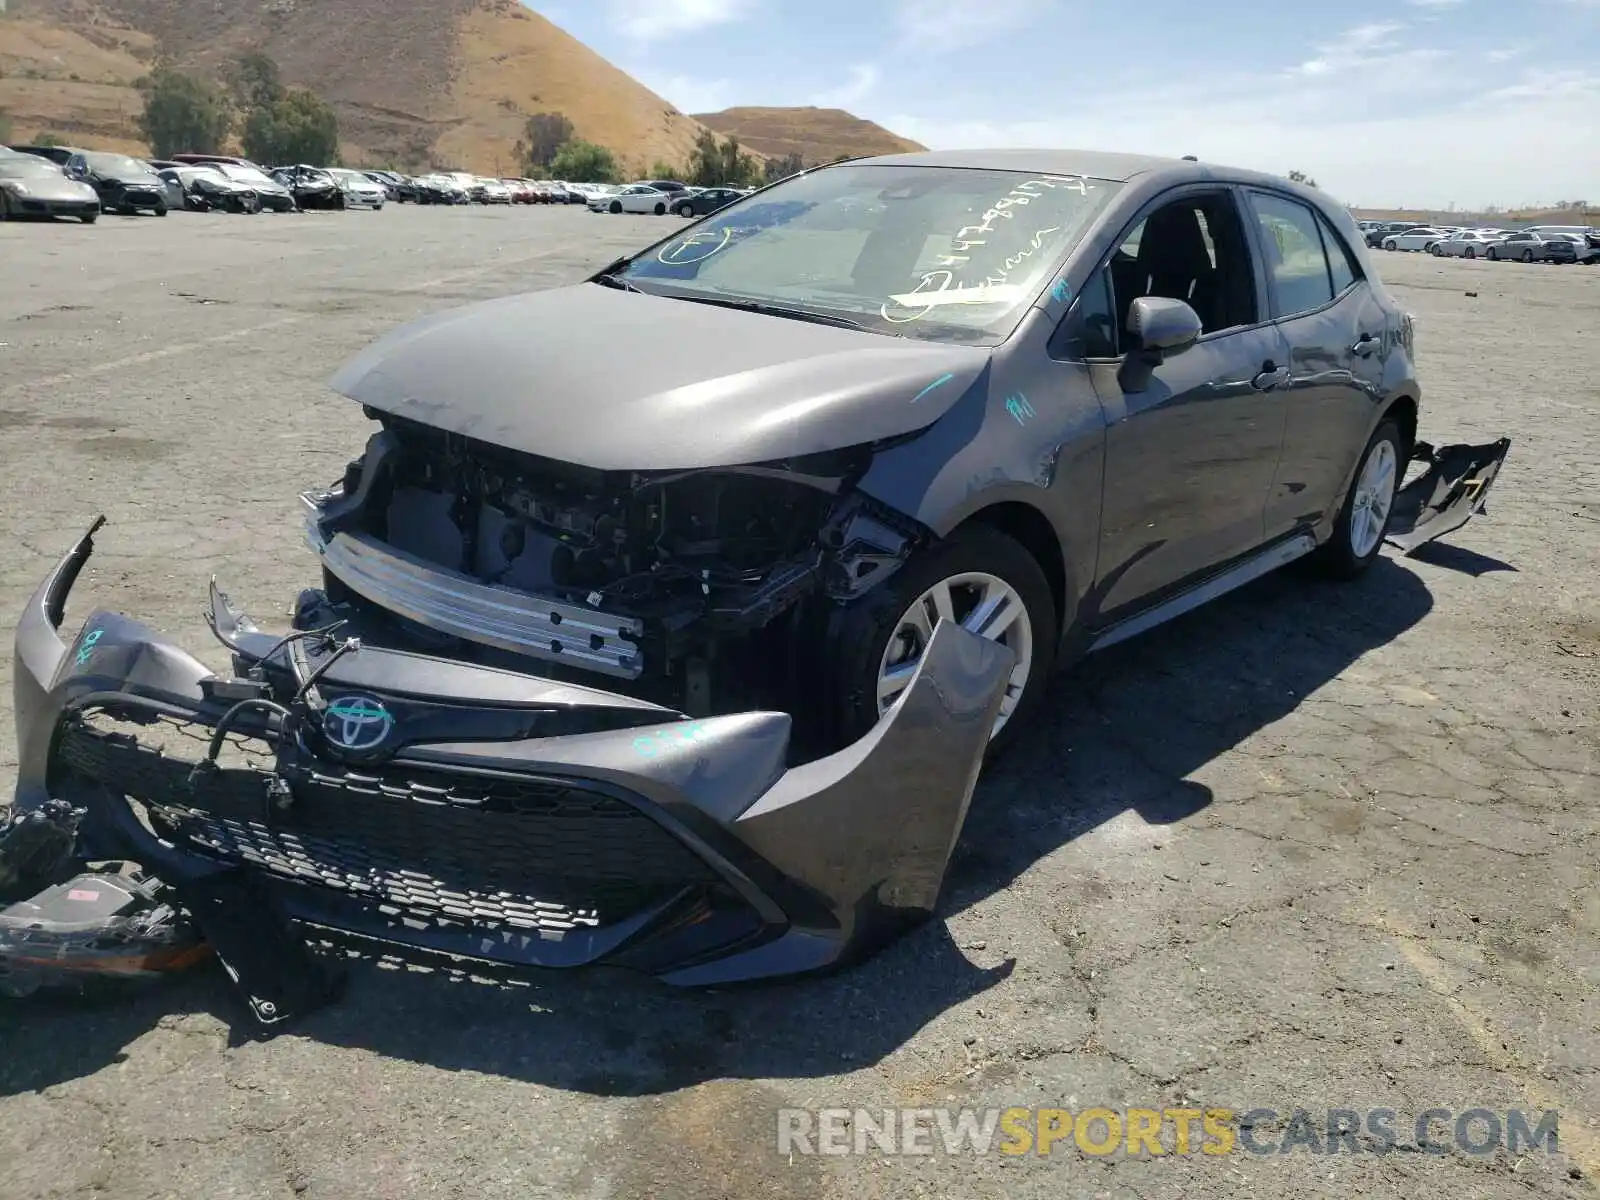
<point x="1092" y="164"/>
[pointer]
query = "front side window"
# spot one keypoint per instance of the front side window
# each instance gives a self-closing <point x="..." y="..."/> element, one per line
<point x="1297" y="267"/>
<point x="941" y="253"/>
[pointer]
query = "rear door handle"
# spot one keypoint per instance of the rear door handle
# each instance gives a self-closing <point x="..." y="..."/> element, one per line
<point x="1365" y="345"/>
<point x="1271" y="376"/>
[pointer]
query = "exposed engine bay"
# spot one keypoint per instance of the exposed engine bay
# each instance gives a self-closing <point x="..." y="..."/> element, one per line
<point x="698" y="587"/>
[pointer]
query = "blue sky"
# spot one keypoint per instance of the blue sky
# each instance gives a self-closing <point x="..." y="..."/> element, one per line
<point x="1419" y="102"/>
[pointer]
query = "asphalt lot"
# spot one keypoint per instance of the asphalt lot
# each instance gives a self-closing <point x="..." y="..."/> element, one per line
<point x="1313" y="846"/>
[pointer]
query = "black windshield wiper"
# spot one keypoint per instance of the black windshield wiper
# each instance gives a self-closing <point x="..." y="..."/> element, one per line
<point x="779" y="310"/>
<point x="613" y="280"/>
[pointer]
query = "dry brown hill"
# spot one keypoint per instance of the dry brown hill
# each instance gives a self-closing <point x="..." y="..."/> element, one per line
<point x="447" y="82"/>
<point x="816" y="134"/>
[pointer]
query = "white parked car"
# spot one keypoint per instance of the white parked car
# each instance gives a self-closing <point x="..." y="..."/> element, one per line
<point x="1467" y="243"/>
<point x="634" y="198"/>
<point x="359" y="191"/>
<point x="1422" y="237"/>
<point x="495" y="192"/>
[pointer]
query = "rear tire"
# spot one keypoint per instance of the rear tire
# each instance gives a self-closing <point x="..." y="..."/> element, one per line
<point x="1352" y="549"/>
<point x="1527" y="256"/>
<point x="1472" y="252"/>
<point x="869" y="633"/>
<point x="661" y="210"/>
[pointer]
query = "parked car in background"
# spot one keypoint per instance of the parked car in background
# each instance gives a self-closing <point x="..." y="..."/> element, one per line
<point x="359" y="191"/>
<point x="275" y="197"/>
<point x="702" y="201"/>
<point x="124" y="184"/>
<point x="468" y="183"/>
<point x="312" y="187"/>
<point x="31" y="186"/>
<point x="1467" y="243"/>
<point x="1587" y="236"/>
<point x="494" y="192"/>
<point x="634" y="198"/>
<point x="1418" y="237"/>
<point x="1378" y="230"/>
<point x="396" y="187"/>
<point x="672" y="187"/>
<point x="204" y="188"/>
<point x="1527" y="246"/>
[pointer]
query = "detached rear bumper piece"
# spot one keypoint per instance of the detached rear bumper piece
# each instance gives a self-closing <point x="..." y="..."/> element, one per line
<point x="1447" y="495"/>
<point x="484" y="814"/>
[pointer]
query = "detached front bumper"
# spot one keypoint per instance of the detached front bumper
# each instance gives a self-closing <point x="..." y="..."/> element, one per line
<point x="498" y="816"/>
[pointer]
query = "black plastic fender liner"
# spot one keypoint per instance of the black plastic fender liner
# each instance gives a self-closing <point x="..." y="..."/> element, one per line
<point x="1447" y="495"/>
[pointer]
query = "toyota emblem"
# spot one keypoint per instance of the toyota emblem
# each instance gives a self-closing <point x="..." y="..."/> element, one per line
<point x="357" y="723"/>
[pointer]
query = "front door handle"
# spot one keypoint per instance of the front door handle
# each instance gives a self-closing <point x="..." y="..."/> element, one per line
<point x="1365" y="345"/>
<point x="1271" y="376"/>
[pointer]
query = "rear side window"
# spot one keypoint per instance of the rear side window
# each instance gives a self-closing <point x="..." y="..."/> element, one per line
<point x="1297" y="267"/>
<point x="1341" y="263"/>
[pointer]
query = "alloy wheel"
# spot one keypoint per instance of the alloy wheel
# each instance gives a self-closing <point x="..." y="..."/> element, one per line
<point x="1369" y="515"/>
<point x="980" y="603"/>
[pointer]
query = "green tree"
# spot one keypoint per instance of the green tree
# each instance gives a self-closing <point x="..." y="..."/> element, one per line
<point x="255" y="81"/>
<point x="662" y="169"/>
<point x="298" y="128"/>
<point x="49" y="139"/>
<point x="720" y="164"/>
<point x="182" y="112"/>
<point x="543" y="136"/>
<point x="584" y="162"/>
<point x="781" y="168"/>
<point x="1302" y="177"/>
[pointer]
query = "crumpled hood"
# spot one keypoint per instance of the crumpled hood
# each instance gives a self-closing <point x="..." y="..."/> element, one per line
<point x="620" y="380"/>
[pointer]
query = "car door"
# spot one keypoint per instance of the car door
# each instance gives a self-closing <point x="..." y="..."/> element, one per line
<point x="1333" y="326"/>
<point x="1190" y="457"/>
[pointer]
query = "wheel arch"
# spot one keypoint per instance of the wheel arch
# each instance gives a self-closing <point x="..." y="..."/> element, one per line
<point x="1402" y="410"/>
<point x="1029" y="527"/>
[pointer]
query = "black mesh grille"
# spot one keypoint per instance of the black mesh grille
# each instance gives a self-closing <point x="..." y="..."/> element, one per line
<point x="426" y="844"/>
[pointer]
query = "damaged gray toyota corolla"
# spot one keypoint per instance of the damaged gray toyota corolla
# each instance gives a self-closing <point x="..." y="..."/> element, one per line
<point x="878" y="447"/>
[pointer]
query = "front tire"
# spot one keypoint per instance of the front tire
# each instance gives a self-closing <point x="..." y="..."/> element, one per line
<point x="616" y="206"/>
<point x="88" y="218"/>
<point x="1472" y="252"/>
<point x="1492" y="254"/>
<point x="1358" y="531"/>
<point x="1527" y="256"/>
<point x="686" y="209"/>
<point x="980" y="577"/>
<point x="160" y="210"/>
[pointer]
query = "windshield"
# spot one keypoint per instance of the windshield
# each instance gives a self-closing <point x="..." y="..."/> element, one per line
<point x="947" y="254"/>
<point x="243" y="174"/>
<point x="118" y="163"/>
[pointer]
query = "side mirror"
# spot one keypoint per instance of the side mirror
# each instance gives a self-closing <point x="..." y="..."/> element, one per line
<point x="1162" y="327"/>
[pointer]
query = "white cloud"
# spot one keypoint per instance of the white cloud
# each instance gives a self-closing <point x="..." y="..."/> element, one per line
<point x="1429" y="138"/>
<point x="939" y="26"/>
<point x="863" y="79"/>
<point x="656" y="20"/>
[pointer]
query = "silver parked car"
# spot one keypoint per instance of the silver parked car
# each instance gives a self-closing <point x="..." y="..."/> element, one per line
<point x="1418" y="237"/>
<point x="1468" y="243"/>
<point x="1528" y="246"/>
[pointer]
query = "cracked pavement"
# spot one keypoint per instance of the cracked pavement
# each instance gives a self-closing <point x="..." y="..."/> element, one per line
<point x="1314" y="845"/>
